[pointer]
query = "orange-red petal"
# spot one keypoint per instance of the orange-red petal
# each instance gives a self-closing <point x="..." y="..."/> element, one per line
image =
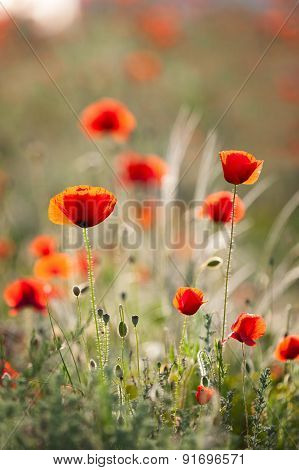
<point x="240" y="167"/>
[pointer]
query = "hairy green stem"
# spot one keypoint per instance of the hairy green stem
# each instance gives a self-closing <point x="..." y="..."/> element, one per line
<point x="244" y="392"/>
<point x="93" y="299"/>
<point x="229" y="262"/>
<point x="137" y="352"/>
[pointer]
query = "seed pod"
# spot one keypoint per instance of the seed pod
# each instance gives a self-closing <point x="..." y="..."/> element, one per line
<point x="84" y="289"/>
<point x="76" y="291"/>
<point x="214" y="262"/>
<point x="106" y="318"/>
<point x="205" y="381"/>
<point x="122" y="329"/>
<point x="119" y="372"/>
<point x="135" y="320"/>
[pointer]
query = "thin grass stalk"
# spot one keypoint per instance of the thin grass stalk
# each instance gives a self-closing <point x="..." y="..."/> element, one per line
<point x="59" y="351"/>
<point x="228" y="263"/>
<point x="93" y="300"/>
<point x="244" y="392"/>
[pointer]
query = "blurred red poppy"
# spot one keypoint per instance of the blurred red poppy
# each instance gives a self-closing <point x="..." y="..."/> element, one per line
<point x="204" y="394"/>
<point x="188" y="300"/>
<point x="84" y="206"/>
<point x="288" y="348"/>
<point x="218" y="207"/>
<point x="248" y="328"/>
<point x="146" y="214"/>
<point x="9" y="372"/>
<point x="53" y="265"/>
<point x="142" y="66"/>
<point x="240" y="167"/>
<point x="273" y="19"/>
<point x="108" y="117"/>
<point x="161" y="24"/>
<point x="288" y="89"/>
<point x="7" y="248"/>
<point x="142" y="169"/>
<point x="81" y="262"/>
<point x="27" y="292"/>
<point x="42" y="245"/>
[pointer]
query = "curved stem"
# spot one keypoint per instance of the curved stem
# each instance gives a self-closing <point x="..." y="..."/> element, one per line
<point x="229" y="262"/>
<point x="244" y="393"/>
<point x="92" y="298"/>
<point x="137" y="353"/>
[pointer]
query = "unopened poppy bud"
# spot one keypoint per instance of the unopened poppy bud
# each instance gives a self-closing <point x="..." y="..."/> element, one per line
<point x="271" y="261"/>
<point x="131" y="259"/>
<point x="76" y="291"/>
<point x="106" y="318"/>
<point x="123" y="296"/>
<point x="214" y="262"/>
<point x="100" y="312"/>
<point x="120" y="420"/>
<point x="248" y="368"/>
<point x="119" y="372"/>
<point x="122" y="329"/>
<point x="92" y="364"/>
<point x="205" y="381"/>
<point x="84" y="289"/>
<point x="135" y="320"/>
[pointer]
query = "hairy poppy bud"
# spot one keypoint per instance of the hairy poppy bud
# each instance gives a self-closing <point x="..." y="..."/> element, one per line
<point x="76" y="291"/>
<point x="106" y="318"/>
<point x="119" y="372"/>
<point x="205" y="381"/>
<point x="123" y="296"/>
<point x="214" y="262"/>
<point x="100" y="312"/>
<point x="84" y="289"/>
<point x="131" y="259"/>
<point x="92" y="364"/>
<point x="122" y="329"/>
<point x="135" y="320"/>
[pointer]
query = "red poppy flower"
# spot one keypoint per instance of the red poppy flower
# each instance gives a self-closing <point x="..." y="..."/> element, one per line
<point x="108" y="117"/>
<point x="161" y="25"/>
<point x="143" y="66"/>
<point x="288" y="348"/>
<point x="27" y="292"/>
<point x="7" y="370"/>
<point x="204" y="394"/>
<point x="248" y="328"/>
<point x="7" y="248"/>
<point x="142" y="169"/>
<point x="188" y="300"/>
<point x="84" y="206"/>
<point x="219" y="207"/>
<point x="42" y="245"/>
<point x="54" y="265"/>
<point x="240" y="167"/>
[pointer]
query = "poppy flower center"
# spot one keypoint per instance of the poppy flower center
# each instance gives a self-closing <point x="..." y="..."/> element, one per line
<point x="106" y="121"/>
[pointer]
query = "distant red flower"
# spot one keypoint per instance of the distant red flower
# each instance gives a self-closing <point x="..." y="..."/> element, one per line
<point x="240" y="167"/>
<point x="142" y="169"/>
<point x="274" y="18"/>
<point x="43" y="245"/>
<point x="108" y="117"/>
<point x="218" y="207"/>
<point x="7" y="248"/>
<point x="84" y="206"/>
<point x="248" y="328"/>
<point x="146" y="214"/>
<point x="81" y="262"/>
<point x="288" y="88"/>
<point x="204" y="394"/>
<point x="53" y="265"/>
<point x="188" y="300"/>
<point x="288" y="348"/>
<point x="7" y="370"/>
<point x="143" y="66"/>
<point x="161" y="24"/>
<point x="27" y="292"/>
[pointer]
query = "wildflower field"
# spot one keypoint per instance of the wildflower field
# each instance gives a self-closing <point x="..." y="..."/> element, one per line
<point x="149" y="232"/>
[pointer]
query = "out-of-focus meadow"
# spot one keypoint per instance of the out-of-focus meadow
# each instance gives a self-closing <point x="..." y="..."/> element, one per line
<point x="199" y="77"/>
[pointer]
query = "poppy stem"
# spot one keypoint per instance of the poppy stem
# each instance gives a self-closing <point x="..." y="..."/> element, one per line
<point x="229" y="262"/>
<point x="182" y="342"/>
<point x="244" y="393"/>
<point x="137" y="352"/>
<point x="92" y="298"/>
